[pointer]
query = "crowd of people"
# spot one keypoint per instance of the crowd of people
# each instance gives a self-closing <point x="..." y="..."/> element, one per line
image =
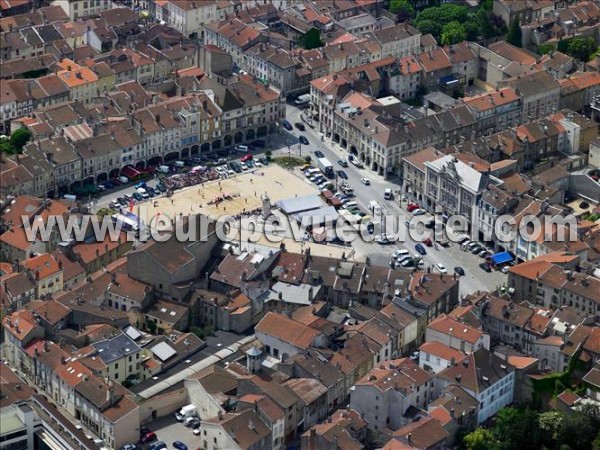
<point x="191" y="178"/>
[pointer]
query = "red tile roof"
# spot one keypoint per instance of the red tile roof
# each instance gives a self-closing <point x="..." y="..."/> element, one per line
<point x="446" y="325"/>
<point x="287" y="330"/>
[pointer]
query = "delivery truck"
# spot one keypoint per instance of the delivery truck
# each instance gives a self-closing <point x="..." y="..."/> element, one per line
<point x="326" y="167"/>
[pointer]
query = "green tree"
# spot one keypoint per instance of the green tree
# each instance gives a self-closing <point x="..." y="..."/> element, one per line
<point x="487" y="5"/>
<point x="514" y="35"/>
<point x="429" y="27"/>
<point x="577" y="431"/>
<point x="550" y="424"/>
<point x="312" y="39"/>
<point x="19" y="138"/>
<point x="5" y="146"/>
<point x="517" y="428"/>
<point x="581" y="48"/>
<point x="308" y="159"/>
<point x="480" y="439"/>
<point x="402" y="8"/>
<point x="453" y="33"/>
<point x="432" y="20"/>
<point x="596" y="443"/>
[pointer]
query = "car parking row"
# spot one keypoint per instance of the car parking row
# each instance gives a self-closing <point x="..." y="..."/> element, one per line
<point x="142" y="192"/>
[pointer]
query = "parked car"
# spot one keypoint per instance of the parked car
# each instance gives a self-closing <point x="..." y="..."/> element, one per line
<point x="459" y="271"/>
<point x="300" y="126"/>
<point x="319" y="154"/>
<point x="160" y="445"/>
<point x="151" y="191"/>
<point x="398" y="254"/>
<point x="288" y="126"/>
<point x="428" y="242"/>
<point x="343" y="163"/>
<point x="137" y="196"/>
<point x="342" y="175"/>
<point x="486" y="266"/>
<point x="264" y="161"/>
<point x="122" y="201"/>
<point x="180" y="445"/>
<point x="415" y="356"/>
<point x="383" y="239"/>
<point x="129" y="447"/>
<point x="505" y="269"/>
<point x="114" y="205"/>
<point x="189" y="421"/>
<point x="197" y="431"/>
<point x="412" y="206"/>
<point x="441" y="268"/>
<point x="108" y="185"/>
<point x="420" y="249"/>
<point x="161" y="187"/>
<point x="303" y="140"/>
<point x="477" y="249"/>
<point x="365" y="181"/>
<point x="148" y="437"/>
<point x="144" y="430"/>
<point x="485" y="254"/>
<point x="194" y="423"/>
<point x="247" y="157"/>
<point x="419" y="212"/>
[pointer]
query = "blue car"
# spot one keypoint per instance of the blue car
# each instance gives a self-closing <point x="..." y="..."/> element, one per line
<point x="141" y="184"/>
<point x="288" y="126"/>
<point x="180" y="445"/>
<point x="420" y="248"/>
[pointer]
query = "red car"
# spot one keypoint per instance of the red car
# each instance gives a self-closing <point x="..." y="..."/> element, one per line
<point x="412" y="206"/>
<point x="148" y="437"/>
<point x="247" y="157"/>
<point x="428" y="242"/>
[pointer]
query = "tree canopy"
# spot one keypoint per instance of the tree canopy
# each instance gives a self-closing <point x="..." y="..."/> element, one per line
<point x="472" y="25"/>
<point x="530" y="430"/>
<point x="480" y="439"/>
<point x="16" y="142"/>
<point x="402" y="8"/>
<point x="312" y="39"/>
<point x="581" y="48"/>
<point x="19" y="138"/>
<point x="453" y="33"/>
<point x="514" y="35"/>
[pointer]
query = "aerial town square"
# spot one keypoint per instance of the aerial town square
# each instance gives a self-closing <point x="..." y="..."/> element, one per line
<point x="299" y="225"/>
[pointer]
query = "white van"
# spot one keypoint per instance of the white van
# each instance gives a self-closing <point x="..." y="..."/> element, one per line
<point x="375" y="208"/>
<point x="387" y="194"/>
<point x="179" y="164"/>
<point x="350" y="205"/>
<point x="242" y="148"/>
<point x="123" y="180"/>
<point x="163" y="169"/>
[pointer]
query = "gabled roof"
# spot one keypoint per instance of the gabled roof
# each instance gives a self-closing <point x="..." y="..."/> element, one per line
<point x="436" y="348"/>
<point x="245" y="428"/>
<point x="287" y="330"/>
<point x="466" y="374"/>
<point x="423" y="433"/>
<point x="448" y="326"/>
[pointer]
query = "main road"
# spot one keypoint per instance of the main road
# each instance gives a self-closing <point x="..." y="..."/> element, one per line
<point x="475" y="278"/>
